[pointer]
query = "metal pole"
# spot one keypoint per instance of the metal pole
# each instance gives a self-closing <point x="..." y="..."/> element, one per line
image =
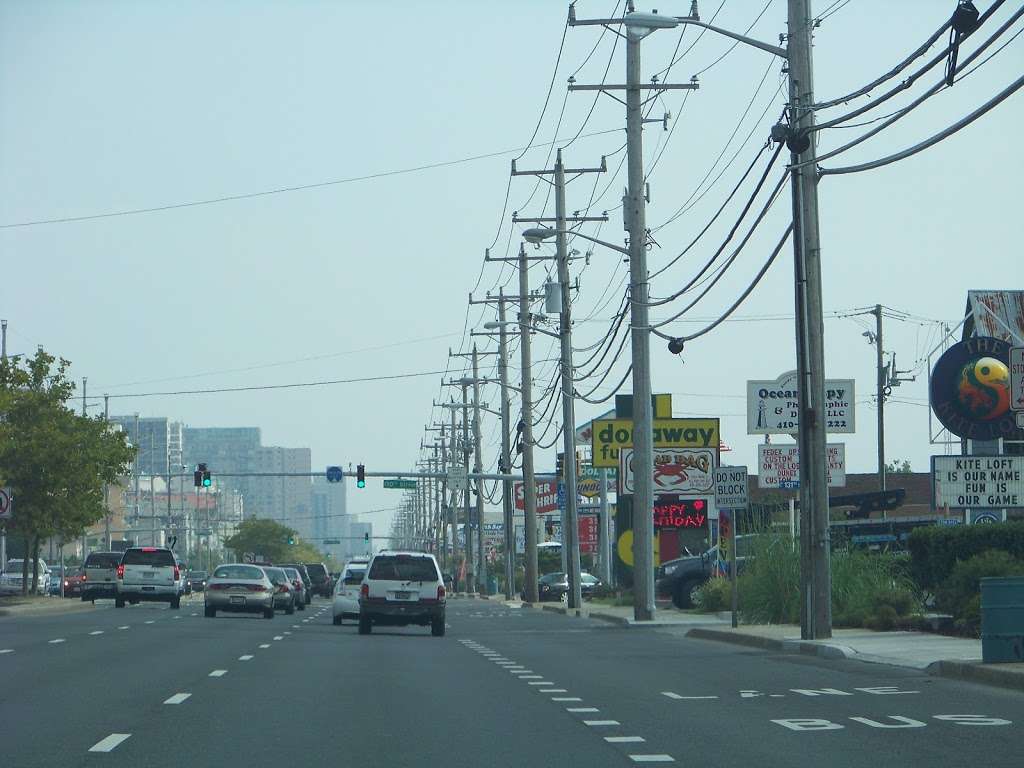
<point x="478" y="467"/>
<point x="443" y="512"/>
<point x="816" y="605"/>
<point x="454" y="513"/>
<point x="3" y="357"/>
<point x="152" y="509"/>
<point x="85" y="538"/>
<point x="468" y="529"/>
<point x="634" y="213"/>
<point x="106" y="486"/>
<point x="734" y="515"/>
<point x="529" y="482"/>
<point x="605" y="530"/>
<point x="880" y="380"/>
<point x="138" y="506"/>
<point x="570" y="527"/>
<point x="506" y="462"/>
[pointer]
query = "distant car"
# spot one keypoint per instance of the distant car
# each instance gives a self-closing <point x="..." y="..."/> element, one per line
<point x="186" y="585"/>
<point x="100" y="575"/>
<point x="307" y="581"/>
<point x="198" y="580"/>
<point x="56" y="577"/>
<point x="402" y="588"/>
<point x="239" y="588"/>
<point x="11" y="578"/>
<point x="555" y="586"/>
<point x="284" y="596"/>
<point x="298" y="587"/>
<point x="321" y="579"/>
<point x="149" y="574"/>
<point x="346" y="593"/>
<point x="74" y="583"/>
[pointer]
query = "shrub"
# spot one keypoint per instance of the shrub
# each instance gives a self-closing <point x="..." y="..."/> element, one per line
<point x="960" y="593"/>
<point x="769" y="584"/>
<point x="936" y="549"/>
<point x="870" y="590"/>
<point x="715" y="595"/>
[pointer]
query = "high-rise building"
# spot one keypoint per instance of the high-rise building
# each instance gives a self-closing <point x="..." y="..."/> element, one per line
<point x="159" y="441"/>
<point x="287" y="499"/>
<point x="328" y="516"/>
<point x="359" y="540"/>
<point x="225" y="450"/>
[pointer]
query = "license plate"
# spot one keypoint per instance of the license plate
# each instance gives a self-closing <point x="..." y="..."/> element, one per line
<point x="403" y="595"/>
<point x="237" y="600"/>
<point x="148" y="575"/>
<point x="148" y="589"/>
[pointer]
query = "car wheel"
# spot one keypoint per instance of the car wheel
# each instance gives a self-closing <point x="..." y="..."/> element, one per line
<point x="268" y="613"/>
<point x="290" y="609"/>
<point x="210" y="613"/>
<point x="365" y="626"/>
<point x="119" y="602"/>
<point x="682" y="595"/>
<point x="176" y="603"/>
<point x="437" y="627"/>
<point x="337" y="621"/>
<point x="302" y="606"/>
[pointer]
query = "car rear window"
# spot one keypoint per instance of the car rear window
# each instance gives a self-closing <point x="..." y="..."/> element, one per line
<point x="403" y="568"/>
<point x="238" y="572"/>
<point x="148" y="557"/>
<point x="198" y="574"/>
<point x="102" y="560"/>
<point x="354" y="576"/>
<point x="317" y="572"/>
<point x="276" y="575"/>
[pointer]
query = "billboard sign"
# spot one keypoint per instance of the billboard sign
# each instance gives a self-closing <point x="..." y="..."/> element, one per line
<point x="778" y="466"/>
<point x="611" y="435"/>
<point x="773" y="406"/>
<point x="589" y="530"/>
<point x="677" y="471"/>
<point x="962" y="482"/>
<point x="588" y="481"/>
<point x="547" y="496"/>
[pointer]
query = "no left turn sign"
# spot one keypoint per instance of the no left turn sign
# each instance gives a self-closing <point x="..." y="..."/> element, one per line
<point x="5" y="503"/>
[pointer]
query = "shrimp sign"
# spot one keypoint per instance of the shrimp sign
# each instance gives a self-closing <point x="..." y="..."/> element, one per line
<point x="686" y="472"/>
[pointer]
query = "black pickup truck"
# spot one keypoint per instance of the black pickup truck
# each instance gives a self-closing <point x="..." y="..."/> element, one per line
<point x="680" y="578"/>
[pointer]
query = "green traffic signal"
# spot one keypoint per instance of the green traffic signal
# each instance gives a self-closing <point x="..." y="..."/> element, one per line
<point x="207" y="482"/>
<point x="291" y="539"/>
<point x="360" y="476"/>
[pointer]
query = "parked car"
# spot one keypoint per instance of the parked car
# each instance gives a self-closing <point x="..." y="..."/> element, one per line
<point x="307" y="581"/>
<point x="100" y="575"/>
<point x="346" y="593"/>
<point x="11" y="578"/>
<point x="402" y="588"/>
<point x="198" y="580"/>
<point x="298" y="587"/>
<point x="55" y="581"/>
<point x="239" y="588"/>
<point x="680" y="579"/>
<point x="321" y="579"/>
<point x="555" y="586"/>
<point x="150" y="574"/>
<point x="284" y="597"/>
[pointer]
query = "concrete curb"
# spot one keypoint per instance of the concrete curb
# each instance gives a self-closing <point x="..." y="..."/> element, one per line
<point x="771" y="644"/>
<point x="977" y="672"/>
<point x="45" y="609"/>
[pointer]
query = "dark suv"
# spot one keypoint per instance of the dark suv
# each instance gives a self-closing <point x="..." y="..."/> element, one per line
<point x="321" y="579"/>
<point x="682" y="577"/>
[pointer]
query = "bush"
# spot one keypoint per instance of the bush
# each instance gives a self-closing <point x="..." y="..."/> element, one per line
<point x="715" y="595"/>
<point x="960" y="593"/>
<point x="936" y="549"/>
<point x="769" y="584"/>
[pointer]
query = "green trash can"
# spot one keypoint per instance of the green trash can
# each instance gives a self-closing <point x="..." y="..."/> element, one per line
<point x="1002" y="619"/>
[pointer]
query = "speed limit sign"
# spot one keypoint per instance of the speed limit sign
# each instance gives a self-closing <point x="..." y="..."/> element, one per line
<point x="5" y="504"/>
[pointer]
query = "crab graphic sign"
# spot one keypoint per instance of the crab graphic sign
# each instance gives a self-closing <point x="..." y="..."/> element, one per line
<point x="686" y="472"/>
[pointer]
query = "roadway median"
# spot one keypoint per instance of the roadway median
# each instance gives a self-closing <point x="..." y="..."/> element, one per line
<point x="19" y="606"/>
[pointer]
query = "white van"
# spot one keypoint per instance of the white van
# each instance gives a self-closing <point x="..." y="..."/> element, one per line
<point x="346" y="591"/>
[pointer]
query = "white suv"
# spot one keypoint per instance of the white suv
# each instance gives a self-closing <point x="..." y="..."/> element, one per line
<point x="402" y="588"/>
<point x="149" y="574"/>
<point x="346" y="591"/>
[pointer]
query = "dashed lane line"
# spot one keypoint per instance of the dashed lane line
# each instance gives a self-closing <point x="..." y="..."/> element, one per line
<point x="246" y="657"/>
<point x="582" y="709"/>
<point x="125" y="627"/>
<point x="652" y="758"/>
<point x="96" y="632"/>
<point x="6" y="650"/>
<point x="566" y="698"/>
<point x="279" y="637"/>
<point x="56" y="640"/>
<point x="218" y="673"/>
<point x="676" y="696"/>
<point x="109" y="743"/>
<point x="624" y="739"/>
<point x="148" y="622"/>
<point x="177" y="698"/>
<point x="264" y="645"/>
<point x="552" y="690"/>
<point x="601" y="723"/>
<point x="540" y="682"/>
<point x="531" y="677"/>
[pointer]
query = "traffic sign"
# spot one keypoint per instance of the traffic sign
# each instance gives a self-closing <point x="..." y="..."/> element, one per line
<point x="1017" y="380"/>
<point x="6" y="504"/>
<point x="731" y="487"/>
<point x="399" y="483"/>
<point x="334" y="474"/>
<point x="457" y="478"/>
<point x="248" y="557"/>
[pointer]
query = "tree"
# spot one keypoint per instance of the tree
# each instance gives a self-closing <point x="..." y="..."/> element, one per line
<point x="55" y="461"/>
<point x="270" y="539"/>
<point x="896" y="467"/>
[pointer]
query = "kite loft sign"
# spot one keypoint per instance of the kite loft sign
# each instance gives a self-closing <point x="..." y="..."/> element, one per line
<point x="965" y="482"/>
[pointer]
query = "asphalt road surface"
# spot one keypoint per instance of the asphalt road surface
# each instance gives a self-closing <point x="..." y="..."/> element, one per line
<point x="147" y="686"/>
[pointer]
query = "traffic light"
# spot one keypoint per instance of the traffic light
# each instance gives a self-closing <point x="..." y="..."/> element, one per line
<point x="291" y="538"/>
<point x="201" y="476"/>
<point x="360" y="476"/>
<point x="207" y="481"/>
<point x="366" y="537"/>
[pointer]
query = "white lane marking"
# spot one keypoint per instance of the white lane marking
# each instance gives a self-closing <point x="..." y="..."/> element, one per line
<point x="107" y="744"/>
<point x="96" y="632"/>
<point x="552" y="690"/>
<point x="177" y="698"/>
<point x="245" y="657"/>
<point x="582" y="709"/>
<point x="623" y="739"/>
<point x="566" y="698"/>
<point x="195" y="614"/>
<point x="305" y="621"/>
<point x="279" y="637"/>
<point x="287" y="632"/>
<point x="6" y="650"/>
<point x="218" y="673"/>
<point x="148" y="622"/>
<point x="296" y="626"/>
<point x="57" y="640"/>
<point x="541" y="682"/>
<point x="264" y="645"/>
<point x="601" y="722"/>
<point x="672" y="695"/>
<point x="652" y="758"/>
<point x="531" y="677"/>
<point x="175" y="617"/>
<point x="124" y="627"/>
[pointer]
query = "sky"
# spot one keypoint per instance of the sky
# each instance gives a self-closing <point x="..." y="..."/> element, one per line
<point x="118" y="106"/>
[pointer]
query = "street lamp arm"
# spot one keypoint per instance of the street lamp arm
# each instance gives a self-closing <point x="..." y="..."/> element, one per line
<point x="778" y="51"/>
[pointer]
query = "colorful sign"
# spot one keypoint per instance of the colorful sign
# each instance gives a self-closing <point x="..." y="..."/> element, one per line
<point x="547" y="496"/>
<point x="611" y="435"/>
<point x="681" y="513"/>
<point x="970" y="390"/>
<point x="677" y="471"/>
<point x="589" y="531"/>
<point x="773" y="406"/>
<point x="962" y="482"/>
<point x="588" y="481"/>
<point x="778" y="466"/>
<point x="624" y="548"/>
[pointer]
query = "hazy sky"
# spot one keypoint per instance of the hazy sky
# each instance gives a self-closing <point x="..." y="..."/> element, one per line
<point x="111" y="106"/>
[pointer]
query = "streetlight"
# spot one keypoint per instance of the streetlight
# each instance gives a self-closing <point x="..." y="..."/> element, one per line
<point x="537" y="235"/>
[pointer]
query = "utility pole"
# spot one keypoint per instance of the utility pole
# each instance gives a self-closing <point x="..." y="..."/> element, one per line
<point x="881" y="380"/>
<point x="106" y="486"/>
<point x="468" y="531"/>
<point x="3" y="357"/>
<point x="529" y="480"/>
<point x="478" y="467"/>
<point x="443" y="511"/>
<point x="815" y="575"/>
<point x="506" y="461"/>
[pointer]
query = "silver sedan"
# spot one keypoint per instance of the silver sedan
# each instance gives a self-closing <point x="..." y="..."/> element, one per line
<point x="284" y="597"/>
<point x="239" y="588"/>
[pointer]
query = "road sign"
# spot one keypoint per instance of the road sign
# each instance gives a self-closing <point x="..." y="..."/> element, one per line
<point x="1017" y="380"/>
<point x="458" y="479"/>
<point x="677" y="471"/>
<point x="773" y="406"/>
<point x="520" y="539"/>
<point x="6" y="504"/>
<point x="995" y="482"/>
<point x="334" y="474"/>
<point x="331" y="541"/>
<point x="409" y="485"/>
<point x="778" y="466"/>
<point x="248" y="557"/>
<point x="731" y="487"/>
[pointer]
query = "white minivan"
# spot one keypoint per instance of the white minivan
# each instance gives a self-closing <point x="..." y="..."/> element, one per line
<point x="346" y="591"/>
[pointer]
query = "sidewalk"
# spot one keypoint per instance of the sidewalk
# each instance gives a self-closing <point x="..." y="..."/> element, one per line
<point x="41" y="606"/>
<point x="938" y="655"/>
<point x="623" y="615"/>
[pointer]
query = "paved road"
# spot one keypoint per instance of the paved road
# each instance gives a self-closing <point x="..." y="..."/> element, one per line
<point x="506" y="687"/>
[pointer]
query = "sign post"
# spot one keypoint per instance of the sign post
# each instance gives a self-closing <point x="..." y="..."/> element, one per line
<point x="731" y="494"/>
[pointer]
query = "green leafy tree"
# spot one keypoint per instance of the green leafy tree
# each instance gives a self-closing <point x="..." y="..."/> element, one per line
<point x="897" y="467"/>
<point x="270" y="539"/>
<point x="55" y="461"/>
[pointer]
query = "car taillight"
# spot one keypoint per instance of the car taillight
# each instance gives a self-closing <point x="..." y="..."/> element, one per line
<point x="297" y="584"/>
<point x="255" y="587"/>
<point x="120" y="571"/>
<point x="177" y="573"/>
<point x="83" y="576"/>
<point x="364" y="591"/>
<point x="218" y="586"/>
<point x="440" y="592"/>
